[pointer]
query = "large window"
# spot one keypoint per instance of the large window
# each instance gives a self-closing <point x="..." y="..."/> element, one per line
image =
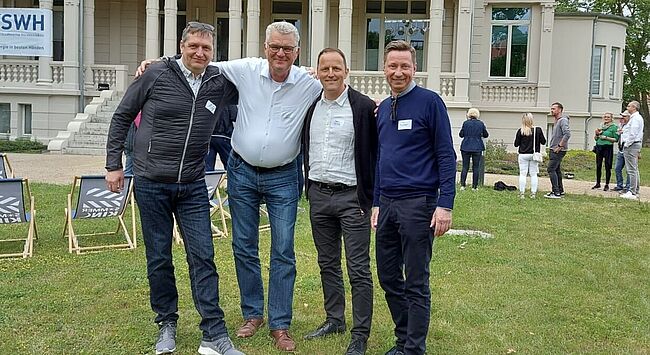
<point x="5" y="118"/>
<point x="596" y="68"/>
<point x="509" y="44"/>
<point x="612" y="72"/>
<point x="26" y="116"/>
<point x="394" y="20"/>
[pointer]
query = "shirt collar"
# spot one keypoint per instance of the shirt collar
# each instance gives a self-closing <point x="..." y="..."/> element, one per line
<point x="408" y="89"/>
<point x="339" y="100"/>
<point x="186" y="72"/>
<point x="266" y="72"/>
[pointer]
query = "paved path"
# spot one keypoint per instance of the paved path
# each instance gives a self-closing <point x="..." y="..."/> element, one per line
<point x="60" y="169"/>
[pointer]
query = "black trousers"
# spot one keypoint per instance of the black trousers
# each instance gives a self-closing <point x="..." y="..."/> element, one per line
<point x="404" y="246"/>
<point x="336" y="216"/>
<point x="604" y="153"/>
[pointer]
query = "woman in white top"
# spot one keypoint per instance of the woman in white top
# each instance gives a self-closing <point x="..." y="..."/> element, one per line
<point x="524" y="140"/>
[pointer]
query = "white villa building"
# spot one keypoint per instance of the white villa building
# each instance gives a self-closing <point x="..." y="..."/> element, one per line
<point x="503" y="57"/>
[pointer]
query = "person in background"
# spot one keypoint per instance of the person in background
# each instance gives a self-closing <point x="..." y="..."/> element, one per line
<point x="128" y="145"/>
<point x="559" y="146"/>
<point x="606" y="136"/>
<point x="472" y="146"/>
<point x="632" y="138"/>
<point x="524" y="140"/>
<point x="220" y="140"/>
<point x="621" y="186"/>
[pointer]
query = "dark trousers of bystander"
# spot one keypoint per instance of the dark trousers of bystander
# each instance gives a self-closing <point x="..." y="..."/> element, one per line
<point x="554" y="170"/>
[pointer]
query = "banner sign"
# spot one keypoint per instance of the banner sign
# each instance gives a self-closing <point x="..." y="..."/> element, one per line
<point x="25" y="32"/>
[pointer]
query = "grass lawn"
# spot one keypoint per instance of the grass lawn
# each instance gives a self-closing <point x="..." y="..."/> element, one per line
<point x="559" y="276"/>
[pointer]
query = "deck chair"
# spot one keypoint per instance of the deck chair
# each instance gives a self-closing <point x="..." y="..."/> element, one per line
<point x="12" y="211"/>
<point x="94" y="200"/>
<point x="221" y="207"/>
<point x="213" y="181"/>
<point x="6" y="172"/>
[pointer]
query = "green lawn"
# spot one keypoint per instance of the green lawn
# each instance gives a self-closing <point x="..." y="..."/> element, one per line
<point x="559" y="276"/>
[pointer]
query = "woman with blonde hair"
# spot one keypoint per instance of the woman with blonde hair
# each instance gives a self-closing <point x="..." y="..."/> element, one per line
<point x="472" y="132"/>
<point x="524" y="140"/>
<point x="605" y="137"/>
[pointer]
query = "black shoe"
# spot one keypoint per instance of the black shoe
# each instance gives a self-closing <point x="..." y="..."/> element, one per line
<point x="597" y="186"/>
<point x="357" y="347"/>
<point x="606" y="188"/>
<point x="618" y="188"/>
<point x="324" y="329"/>
<point x="562" y="193"/>
<point x="395" y="351"/>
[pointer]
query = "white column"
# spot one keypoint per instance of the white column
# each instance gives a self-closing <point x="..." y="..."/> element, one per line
<point x="44" y="70"/>
<point x="171" y="46"/>
<point x="234" y="29"/>
<point x="463" y="48"/>
<point x="89" y="42"/>
<point x="319" y="30"/>
<point x="345" y="28"/>
<point x="152" y="50"/>
<point x="434" y="52"/>
<point x="545" y="48"/>
<point x="253" y="28"/>
<point x="71" y="44"/>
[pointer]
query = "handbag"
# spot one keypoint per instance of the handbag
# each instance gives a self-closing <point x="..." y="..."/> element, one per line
<point x="537" y="156"/>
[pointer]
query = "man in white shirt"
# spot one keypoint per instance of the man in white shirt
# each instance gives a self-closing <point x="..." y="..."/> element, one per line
<point x="632" y="138"/>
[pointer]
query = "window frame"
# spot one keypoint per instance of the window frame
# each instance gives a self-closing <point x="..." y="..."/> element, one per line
<point x="596" y="76"/>
<point x="509" y="24"/>
<point x="613" y="72"/>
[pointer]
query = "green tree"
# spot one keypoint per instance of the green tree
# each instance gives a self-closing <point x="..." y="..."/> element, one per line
<point x="637" y="48"/>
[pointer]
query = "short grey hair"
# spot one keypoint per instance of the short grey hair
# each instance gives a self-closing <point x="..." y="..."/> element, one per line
<point x="635" y="104"/>
<point x="193" y="27"/>
<point x="284" y="28"/>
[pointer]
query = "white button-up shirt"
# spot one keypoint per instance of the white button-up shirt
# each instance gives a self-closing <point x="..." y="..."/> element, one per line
<point x="331" y="142"/>
<point x="271" y="114"/>
<point x="633" y="130"/>
<point x="194" y="81"/>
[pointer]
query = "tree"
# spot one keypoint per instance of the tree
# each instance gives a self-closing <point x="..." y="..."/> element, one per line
<point x="636" y="84"/>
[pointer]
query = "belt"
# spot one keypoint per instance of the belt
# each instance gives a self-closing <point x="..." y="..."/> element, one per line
<point x="336" y="187"/>
<point x="259" y="169"/>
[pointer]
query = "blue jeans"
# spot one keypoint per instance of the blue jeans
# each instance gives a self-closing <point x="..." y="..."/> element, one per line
<point x="476" y="164"/>
<point x="248" y="186"/>
<point x="189" y="203"/>
<point x="620" y="165"/>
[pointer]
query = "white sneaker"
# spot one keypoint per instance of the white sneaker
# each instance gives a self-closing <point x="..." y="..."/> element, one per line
<point x="521" y="196"/>
<point x="462" y="188"/>
<point x="630" y="196"/>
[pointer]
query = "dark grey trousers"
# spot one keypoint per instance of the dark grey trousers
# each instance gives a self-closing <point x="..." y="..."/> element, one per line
<point x="336" y="214"/>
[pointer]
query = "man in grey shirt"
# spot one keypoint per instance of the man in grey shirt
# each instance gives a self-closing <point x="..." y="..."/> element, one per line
<point x="558" y="144"/>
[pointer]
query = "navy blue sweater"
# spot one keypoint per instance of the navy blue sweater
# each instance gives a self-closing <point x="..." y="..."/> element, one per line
<point x="416" y="154"/>
<point x="473" y="132"/>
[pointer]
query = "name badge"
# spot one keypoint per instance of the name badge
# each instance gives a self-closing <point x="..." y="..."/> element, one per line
<point x="210" y="106"/>
<point x="337" y="122"/>
<point x="404" y="124"/>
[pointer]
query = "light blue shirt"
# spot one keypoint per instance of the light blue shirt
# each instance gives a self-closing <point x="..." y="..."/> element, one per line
<point x="194" y="81"/>
<point x="271" y="114"/>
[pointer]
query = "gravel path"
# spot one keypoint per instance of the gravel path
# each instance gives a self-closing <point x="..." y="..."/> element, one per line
<point x="60" y="169"/>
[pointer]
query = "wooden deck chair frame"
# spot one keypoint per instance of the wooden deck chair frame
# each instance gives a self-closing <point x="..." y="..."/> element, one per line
<point x="12" y="210"/>
<point x="219" y="206"/>
<point x="73" y="214"/>
<point x="6" y="171"/>
<point x="213" y="180"/>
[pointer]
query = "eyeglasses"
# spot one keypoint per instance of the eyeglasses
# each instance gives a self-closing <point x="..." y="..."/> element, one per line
<point x="199" y="26"/>
<point x="285" y="49"/>
<point x="393" y="108"/>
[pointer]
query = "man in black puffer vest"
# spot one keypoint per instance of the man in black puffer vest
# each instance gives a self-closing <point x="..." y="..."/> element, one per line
<point x="180" y="99"/>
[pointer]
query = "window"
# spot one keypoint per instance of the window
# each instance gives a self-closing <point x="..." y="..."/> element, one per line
<point x="596" y="65"/>
<point x="287" y="7"/>
<point x="222" y="5"/>
<point x="393" y="20"/>
<point x="221" y="47"/>
<point x="26" y="116"/>
<point x="5" y="118"/>
<point x="509" y="42"/>
<point x="612" y="72"/>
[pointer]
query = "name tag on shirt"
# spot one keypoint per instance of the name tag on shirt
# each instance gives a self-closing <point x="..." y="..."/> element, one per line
<point x="210" y="106"/>
<point x="337" y="122"/>
<point x="404" y="124"/>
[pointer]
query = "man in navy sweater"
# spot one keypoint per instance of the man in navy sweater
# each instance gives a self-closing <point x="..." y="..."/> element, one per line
<point x="414" y="195"/>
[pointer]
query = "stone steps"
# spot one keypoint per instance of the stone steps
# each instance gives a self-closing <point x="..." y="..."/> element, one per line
<point x="85" y="151"/>
<point x="92" y="134"/>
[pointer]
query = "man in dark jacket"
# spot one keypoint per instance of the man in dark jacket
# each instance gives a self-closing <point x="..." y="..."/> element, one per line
<point x="220" y="140"/>
<point x="180" y="99"/>
<point x="340" y="152"/>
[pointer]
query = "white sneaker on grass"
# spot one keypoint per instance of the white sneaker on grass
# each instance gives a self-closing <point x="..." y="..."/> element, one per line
<point x="630" y="196"/>
<point x="221" y="346"/>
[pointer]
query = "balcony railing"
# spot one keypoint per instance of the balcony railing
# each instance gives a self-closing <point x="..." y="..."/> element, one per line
<point x="508" y="93"/>
<point x="24" y="73"/>
<point x="373" y="83"/>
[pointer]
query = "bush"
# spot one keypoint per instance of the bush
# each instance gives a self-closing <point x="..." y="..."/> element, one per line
<point x="22" y="146"/>
<point x="498" y="160"/>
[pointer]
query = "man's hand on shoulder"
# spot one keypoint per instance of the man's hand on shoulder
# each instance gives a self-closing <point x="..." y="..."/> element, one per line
<point x="440" y="221"/>
<point x="143" y="66"/>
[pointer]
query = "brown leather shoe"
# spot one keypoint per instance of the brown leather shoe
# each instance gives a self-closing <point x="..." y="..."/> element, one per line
<point x="283" y="340"/>
<point x="250" y="327"/>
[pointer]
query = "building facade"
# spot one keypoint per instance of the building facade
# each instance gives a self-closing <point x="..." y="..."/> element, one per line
<point x="500" y="56"/>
